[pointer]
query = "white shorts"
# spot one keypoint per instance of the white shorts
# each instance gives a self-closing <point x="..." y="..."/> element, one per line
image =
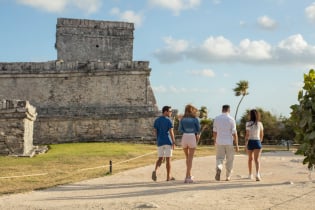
<point x="189" y="140"/>
<point x="165" y="151"/>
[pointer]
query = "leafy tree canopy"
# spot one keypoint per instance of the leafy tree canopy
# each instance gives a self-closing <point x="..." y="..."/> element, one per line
<point x="303" y="118"/>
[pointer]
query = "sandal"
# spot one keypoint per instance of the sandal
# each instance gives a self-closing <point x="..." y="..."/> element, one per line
<point x="171" y="179"/>
<point x="154" y="177"/>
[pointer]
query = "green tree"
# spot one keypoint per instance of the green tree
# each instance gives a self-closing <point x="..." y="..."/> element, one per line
<point x="303" y="116"/>
<point x="206" y="125"/>
<point x="286" y="128"/>
<point x="240" y="90"/>
<point x="203" y="112"/>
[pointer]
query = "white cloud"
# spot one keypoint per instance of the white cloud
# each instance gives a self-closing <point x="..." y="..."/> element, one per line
<point x="173" y="51"/>
<point x="129" y="16"/>
<point x="257" y="50"/>
<point x="47" y="5"/>
<point x="160" y="89"/>
<point x="174" y="89"/>
<point x="292" y="50"/>
<point x="266" y="22"/>
<point x="295" y="44"/>
<point x="203" y="73"/>
<point x="57" y="6"/>
<point x="176" y="45"/>
<point x="310" y="12"/>
<point x="219" y="46"/>
<point x="178" y="90"/>
<point x="175" y="5"/>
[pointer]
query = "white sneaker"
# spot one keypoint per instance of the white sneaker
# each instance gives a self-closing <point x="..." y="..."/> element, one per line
<point x="258" y="178"/>
<point x="189" y="179"/>
<point x="250" y="176"/>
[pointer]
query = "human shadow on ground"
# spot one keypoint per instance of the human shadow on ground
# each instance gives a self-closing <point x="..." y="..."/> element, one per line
<point x="137" y="189"/>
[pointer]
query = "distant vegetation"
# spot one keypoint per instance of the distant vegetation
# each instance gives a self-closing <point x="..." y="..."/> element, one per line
<point x="276" y="128"/>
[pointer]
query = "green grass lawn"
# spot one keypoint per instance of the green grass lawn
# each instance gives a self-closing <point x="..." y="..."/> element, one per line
<point x="68" y="163"/>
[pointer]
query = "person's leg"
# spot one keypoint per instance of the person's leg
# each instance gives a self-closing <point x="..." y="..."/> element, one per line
<point x="160" y="151"/>
<point x="186" y="158"/>
<point x="191" y="152"/>
<point x="167" y="157"/>
<point x="186" y="155"/>
<point x="229" y="161"/>
<point x="220" y="156"/>
<point x="168" y="168"/>
<point x="250" y="163"/>
<point x="257" y="153"/>
<point x="192" y="144"/>
<point x="158" y="163"/>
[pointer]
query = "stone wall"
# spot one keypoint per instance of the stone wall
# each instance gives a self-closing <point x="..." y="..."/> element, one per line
<point x="16" y="127"/>
<point x="86" y="95"/>
<point x="83" y="40"/>
<point x="73" y="84"/>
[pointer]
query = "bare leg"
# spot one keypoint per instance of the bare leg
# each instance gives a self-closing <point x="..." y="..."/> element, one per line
<point x="158" y="163"/>
<point x="191" y="152"/>
<point x="257" y="153"/>
<point x="250" y="161"/>
<point x="186" y="155"/>
<point x="168" y="168"/>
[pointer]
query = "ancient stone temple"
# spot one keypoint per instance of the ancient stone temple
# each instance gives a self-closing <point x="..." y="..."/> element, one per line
<point x="16" y="128"/>
<point x="94" y="91"/>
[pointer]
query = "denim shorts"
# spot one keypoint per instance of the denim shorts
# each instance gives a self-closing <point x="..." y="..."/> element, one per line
<point x="253" y="144"/>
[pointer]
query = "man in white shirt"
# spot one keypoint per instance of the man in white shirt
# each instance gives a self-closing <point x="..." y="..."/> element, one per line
<point x="224" y="133"/>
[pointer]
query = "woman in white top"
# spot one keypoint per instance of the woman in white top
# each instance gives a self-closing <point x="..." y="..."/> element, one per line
<point x="253" y="138"/>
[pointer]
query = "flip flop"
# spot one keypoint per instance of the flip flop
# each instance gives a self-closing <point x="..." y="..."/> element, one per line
<point x="171" y="179"/>
<point x="154" y="177"/>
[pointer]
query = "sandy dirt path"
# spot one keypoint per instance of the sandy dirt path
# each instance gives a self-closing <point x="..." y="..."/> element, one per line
<point x="285" y="185"/>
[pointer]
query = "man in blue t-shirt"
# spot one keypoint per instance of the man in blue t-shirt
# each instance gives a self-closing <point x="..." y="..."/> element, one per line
<point x="163" y="128"/>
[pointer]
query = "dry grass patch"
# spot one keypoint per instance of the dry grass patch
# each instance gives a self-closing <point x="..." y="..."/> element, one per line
<point x="68" y="163"/>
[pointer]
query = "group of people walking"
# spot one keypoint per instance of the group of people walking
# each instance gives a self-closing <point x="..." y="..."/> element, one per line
<point x="224" y="135"/>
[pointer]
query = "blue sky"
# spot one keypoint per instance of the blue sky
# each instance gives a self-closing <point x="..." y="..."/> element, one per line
<point x="198" y="49"/>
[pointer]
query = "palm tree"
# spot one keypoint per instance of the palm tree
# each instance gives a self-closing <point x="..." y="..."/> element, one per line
<point x="203" y="112"/>
<point x="240" y="90"/>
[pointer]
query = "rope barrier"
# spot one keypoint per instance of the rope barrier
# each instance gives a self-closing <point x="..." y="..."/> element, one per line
<point x="84" y="169"/>
<point x="29" y="175"/>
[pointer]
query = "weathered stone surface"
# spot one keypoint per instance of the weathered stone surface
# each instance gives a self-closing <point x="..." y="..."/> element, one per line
<point x="16" y="127"/>
<point x="86" y="95"/>
<point x="84" y="40"/>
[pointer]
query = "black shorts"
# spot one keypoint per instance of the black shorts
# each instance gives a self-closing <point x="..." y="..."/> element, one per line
<point x="254" y="144"/>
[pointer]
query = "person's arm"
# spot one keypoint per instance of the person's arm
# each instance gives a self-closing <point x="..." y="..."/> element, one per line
<point x="198" y="129"/>
<point x="246" y="137"/>
<point x="172" y="137"/>
<point x="261" y="134"/>
<point x="214" y="136"/>
<point x="235" y="136"/>
<point x="197" y="137"/>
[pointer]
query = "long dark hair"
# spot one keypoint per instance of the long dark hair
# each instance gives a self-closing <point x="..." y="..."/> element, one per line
<point x="254" y="116"/>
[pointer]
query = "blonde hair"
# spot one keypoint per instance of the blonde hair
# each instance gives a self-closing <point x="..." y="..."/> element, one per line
<point x="190" y="111"/>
